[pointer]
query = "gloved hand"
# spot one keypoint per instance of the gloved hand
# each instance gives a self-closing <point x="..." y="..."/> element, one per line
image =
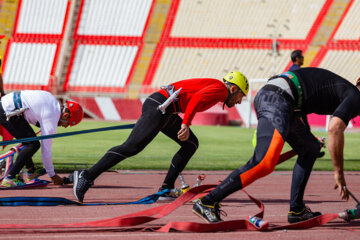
<point x="321" y="154"/>
<point x="322" y="141"/>
<point x="57" y="180"/>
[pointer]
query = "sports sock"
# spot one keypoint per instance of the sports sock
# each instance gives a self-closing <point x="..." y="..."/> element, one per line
<point x="165" y="186"/>
<point x="207" y="200"/>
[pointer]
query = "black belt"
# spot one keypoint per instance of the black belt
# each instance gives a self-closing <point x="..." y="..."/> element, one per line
<point x="295" y="88"/>
<point x="170" y="89"/>
<point x="281" y="92"/>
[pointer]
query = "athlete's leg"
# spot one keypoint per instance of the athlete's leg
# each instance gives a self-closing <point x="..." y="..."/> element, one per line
<point x="144" y="131"/>
<point x="181" y="157"/>
<point x="307" y="147"/>
<point x="267" y="152"/>
<point x="274" y="113"/>
<point x="18" y="127"/>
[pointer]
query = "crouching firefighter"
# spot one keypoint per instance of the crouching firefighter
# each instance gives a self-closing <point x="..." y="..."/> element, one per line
<point x="282" y="106"/>
<point x="40" y="108"/>
<point x="160" y="114"/>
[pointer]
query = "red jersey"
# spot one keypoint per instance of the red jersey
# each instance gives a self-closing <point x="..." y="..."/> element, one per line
<point x="198" y="95"/>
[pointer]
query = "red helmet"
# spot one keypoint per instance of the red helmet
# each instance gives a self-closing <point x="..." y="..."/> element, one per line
<point x="76" y="112"/>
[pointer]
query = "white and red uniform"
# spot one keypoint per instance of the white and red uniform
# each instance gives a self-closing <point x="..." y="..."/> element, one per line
<point x="44" y="110"/>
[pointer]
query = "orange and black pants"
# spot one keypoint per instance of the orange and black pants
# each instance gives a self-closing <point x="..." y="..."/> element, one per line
<point x="277" y="123"/>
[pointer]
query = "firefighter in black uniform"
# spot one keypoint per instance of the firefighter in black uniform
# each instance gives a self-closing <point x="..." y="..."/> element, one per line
<point x="281" y="107"/>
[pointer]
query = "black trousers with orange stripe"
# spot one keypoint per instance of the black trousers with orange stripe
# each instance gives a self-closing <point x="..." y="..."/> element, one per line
<point x="277" y="123"/>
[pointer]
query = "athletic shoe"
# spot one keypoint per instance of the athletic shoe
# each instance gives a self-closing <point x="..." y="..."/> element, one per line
<point x="39" y="171"/>
<point x="81" y="184"/>
<point x="11" y="182"/>
<point x="209" y="213"/>
<point x="169" y="194"/>
<point x="305" y="214"/>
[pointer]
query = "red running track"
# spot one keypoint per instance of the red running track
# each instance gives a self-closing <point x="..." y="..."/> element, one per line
<point x="124" y="186"/>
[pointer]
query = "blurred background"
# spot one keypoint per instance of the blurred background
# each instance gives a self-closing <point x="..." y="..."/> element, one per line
<point x="110" y="54"/>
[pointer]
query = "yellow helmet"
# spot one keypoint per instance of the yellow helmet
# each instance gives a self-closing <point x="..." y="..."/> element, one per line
<point x="239" y="80"/>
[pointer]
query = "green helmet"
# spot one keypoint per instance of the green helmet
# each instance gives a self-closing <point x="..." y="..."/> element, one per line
<point x="239" y="80"/>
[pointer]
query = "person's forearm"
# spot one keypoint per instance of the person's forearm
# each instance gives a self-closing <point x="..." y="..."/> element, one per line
<point x="336" y="147"/>
<point x="336" y="143"/>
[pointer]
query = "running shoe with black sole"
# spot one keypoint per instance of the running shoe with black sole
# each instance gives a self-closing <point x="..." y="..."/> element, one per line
<point x="168" y="194"/>
<point x="209" y="213"/>
<point x="305" y="214"/>
<point x="81" y="184"/>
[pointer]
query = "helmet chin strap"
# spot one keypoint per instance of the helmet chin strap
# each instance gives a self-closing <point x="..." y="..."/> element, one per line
<point x="229" y="96"/>
<point x="62" y="112"/>
<point x="64" y="108"/>
<point x="63" y="121"/>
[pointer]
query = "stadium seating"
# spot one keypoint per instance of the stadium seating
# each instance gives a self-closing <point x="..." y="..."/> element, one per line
<point x="108" y="36"/>
<point x="223" y="37"/>
<point x="341" y="54"/>
<point x="349" y="27"/>
<point x="32" y="52"/>
<point x="90" y="50"/>
<point x="100" y="68"/>
<point x="245" y="19"/>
